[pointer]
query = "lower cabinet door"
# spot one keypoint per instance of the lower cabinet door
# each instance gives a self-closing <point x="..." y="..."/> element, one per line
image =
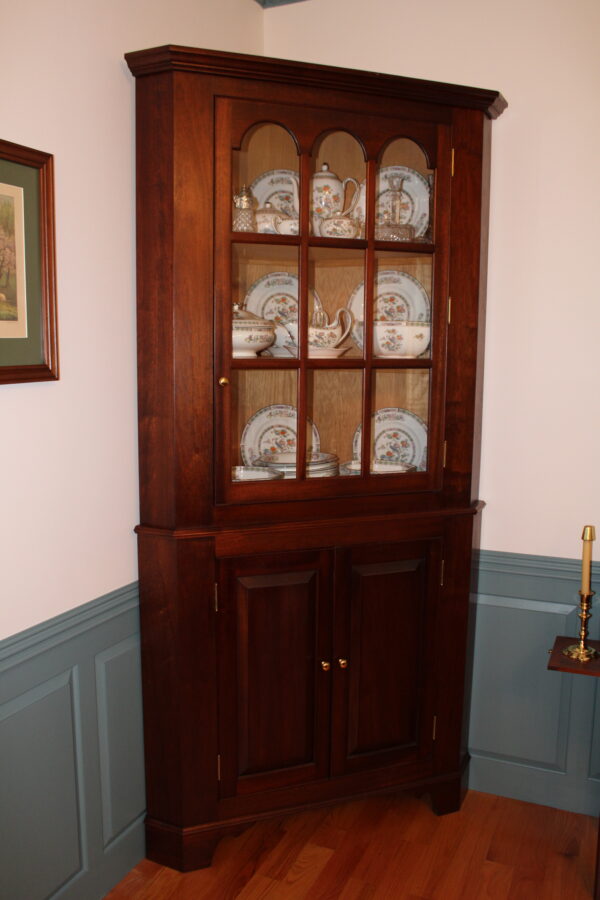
<point x="274" y="642"/>
<point x="385" y="609"/>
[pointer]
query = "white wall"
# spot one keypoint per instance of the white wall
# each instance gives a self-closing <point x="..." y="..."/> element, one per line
<point x="68" y="501"/>
<point x="68" y="453"/>
<point x="541" y="437"/>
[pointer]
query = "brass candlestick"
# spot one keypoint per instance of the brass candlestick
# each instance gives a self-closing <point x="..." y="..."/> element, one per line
<point x="580" y="651"/>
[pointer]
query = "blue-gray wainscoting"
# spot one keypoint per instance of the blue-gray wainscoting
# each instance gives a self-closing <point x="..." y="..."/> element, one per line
<point x="534" y="734"/>
<point x="71" y="753"/>
<point x="71" y="759"/>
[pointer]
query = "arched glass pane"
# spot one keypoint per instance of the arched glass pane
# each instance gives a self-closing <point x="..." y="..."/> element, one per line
<point x="265" y="182"/>
<point x="335" y="195"/>
<point x="404" y="190"/>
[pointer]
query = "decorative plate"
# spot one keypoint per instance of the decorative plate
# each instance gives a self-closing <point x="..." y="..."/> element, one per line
<point x="399" y="297"/>
<point x="279" y="187"/>
<point x="415" y="198"/>
<point x="272" y="431"/>
<point x="275" y="296"/>
<point x="399" y="436"/>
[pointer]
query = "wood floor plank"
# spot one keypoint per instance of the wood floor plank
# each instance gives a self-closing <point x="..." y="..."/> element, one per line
<point x="392" y="848"/>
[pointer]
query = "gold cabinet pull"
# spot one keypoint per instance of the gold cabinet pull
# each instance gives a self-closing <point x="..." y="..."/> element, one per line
<point x="223" y="381"/>
<point x="325" y="665"/>
<point x="343" y="663"/>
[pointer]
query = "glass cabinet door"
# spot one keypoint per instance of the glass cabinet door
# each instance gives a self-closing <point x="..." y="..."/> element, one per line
<point x="331" y="280"/>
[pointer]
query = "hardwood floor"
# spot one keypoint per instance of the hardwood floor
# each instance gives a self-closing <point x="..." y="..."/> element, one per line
<point x="392" y="847"/>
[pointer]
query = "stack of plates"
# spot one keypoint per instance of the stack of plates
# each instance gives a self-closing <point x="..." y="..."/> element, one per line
<point x="318" y="464"/>
<point x="378" y="467"/>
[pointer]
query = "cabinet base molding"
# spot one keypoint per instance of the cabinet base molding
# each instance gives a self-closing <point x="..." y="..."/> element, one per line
<point x="186" y="849"/>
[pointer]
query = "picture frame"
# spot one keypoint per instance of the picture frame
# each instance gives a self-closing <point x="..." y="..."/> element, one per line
<point x="28" y="316"/>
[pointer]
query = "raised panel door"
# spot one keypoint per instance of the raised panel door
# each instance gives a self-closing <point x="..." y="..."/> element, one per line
<point x="384" y="617"/>
<point x="274" y="695"/>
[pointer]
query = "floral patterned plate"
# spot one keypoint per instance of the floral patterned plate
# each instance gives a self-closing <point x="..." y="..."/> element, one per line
<point x="275" y="297"/>
<point x="399" y="437"/>
<point x="415" y="198"/>
<point x="279" y="187"/>
<point x="399" y="297"/>
<point x="272" y="431"/>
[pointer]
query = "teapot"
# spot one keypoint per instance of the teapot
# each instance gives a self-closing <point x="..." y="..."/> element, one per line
<point x="325" y="339"/>
<point x="328" y="193"/>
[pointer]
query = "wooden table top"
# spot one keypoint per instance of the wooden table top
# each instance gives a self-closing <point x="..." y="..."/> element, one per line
<point x="560" y="663"/>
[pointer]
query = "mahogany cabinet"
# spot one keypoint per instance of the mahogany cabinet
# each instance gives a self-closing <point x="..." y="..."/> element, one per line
<point x="311" y="276"/>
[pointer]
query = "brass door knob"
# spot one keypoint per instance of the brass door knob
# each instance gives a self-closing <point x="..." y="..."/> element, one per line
<point x="325" y="665"/>
<point x="343" y="663"/>
<point x="223" y="381"/>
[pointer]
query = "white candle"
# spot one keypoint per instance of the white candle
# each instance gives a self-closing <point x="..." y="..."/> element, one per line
<point x="588" y="536"/>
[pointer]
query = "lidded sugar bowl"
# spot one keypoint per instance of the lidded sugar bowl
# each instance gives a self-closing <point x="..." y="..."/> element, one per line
<point x="249" y="333"/>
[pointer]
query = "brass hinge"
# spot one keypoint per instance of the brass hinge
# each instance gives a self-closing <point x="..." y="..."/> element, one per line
<point x="442" y="573"/>
<point x="434" y="727"/>
<point x="449" y="310"/>
<point x="452" y="164"/>
<point x="218" y="766"/>
<point x="216" y="597"/>
<point x="445" y="454"/>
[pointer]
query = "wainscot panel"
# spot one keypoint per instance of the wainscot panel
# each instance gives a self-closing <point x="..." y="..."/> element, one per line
<point x="71" y="753"/>
<point x="531" y="734"/>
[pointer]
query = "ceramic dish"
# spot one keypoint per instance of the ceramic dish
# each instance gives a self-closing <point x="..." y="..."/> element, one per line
<point x="399" y="437"/>
<point x="380" y="467"/>
<point x="274" y="296"/>
<point x="318" y="464"/>
<point x="398" y="297"/>
<point x="415" y="200"/>
<point x="272" y="431"/>
<point x="279" y="187"/>
<point x="254" y="473"/>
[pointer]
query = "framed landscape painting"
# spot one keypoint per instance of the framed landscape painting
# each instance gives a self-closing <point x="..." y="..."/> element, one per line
<point x="28" y="326"/>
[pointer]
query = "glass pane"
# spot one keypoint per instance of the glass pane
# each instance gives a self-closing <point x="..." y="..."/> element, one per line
<point x="336" y="302"/>
<point x="335" y="409"/>
<point x="400" y="403"/>
<point x="337" y="187"/>
<point x="264" y="423"/>
<point x="264" y="283"/>
<point x="404" y="192"/>
<point x="265" y="182"/>
<point x="402" y="305"/>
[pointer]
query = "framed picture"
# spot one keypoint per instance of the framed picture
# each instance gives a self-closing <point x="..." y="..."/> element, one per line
<point x="28" y="326"/>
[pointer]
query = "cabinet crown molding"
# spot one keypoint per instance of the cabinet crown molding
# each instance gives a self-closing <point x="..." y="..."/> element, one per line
<point x="241" y="65"/>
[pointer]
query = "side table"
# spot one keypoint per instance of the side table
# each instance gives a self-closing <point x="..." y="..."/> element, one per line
<point x="560" y="663"/>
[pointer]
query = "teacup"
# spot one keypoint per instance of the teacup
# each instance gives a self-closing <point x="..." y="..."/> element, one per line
<point x="400" y="339"/>
<point x="339" y="226"/>
<point x="287" y="225"/>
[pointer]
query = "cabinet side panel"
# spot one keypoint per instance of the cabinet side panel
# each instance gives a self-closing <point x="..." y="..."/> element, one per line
<point x="178" y="661"/>
<point x="468" y="261"/>
<point x="154" y="155"/>
<point x="193" y="296"/>
<point x="451" y="641"/>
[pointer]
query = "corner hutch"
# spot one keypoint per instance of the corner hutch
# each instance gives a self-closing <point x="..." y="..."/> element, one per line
<point x="304" y="628"/>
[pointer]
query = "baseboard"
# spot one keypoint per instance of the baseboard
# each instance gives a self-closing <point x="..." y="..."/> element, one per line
<point x="71" y="810"/>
